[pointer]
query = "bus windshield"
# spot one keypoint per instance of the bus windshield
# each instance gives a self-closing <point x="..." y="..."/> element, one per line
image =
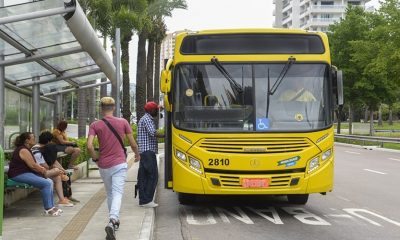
<point x="206" y="101"/>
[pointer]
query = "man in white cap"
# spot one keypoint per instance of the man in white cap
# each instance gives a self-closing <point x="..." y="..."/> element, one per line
<point x="113" y="167"/>
<point x="148" y="148"/>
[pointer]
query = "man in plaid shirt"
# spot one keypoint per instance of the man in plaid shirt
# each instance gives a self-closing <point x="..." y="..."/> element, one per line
<point x="148" y="148"/>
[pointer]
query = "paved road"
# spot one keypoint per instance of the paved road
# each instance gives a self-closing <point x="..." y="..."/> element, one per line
<point x="364" y="205"/>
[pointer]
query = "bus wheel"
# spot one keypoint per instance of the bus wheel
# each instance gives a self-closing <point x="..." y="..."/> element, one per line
<point x="297" y="198"/>
<point x="186" y="199"/>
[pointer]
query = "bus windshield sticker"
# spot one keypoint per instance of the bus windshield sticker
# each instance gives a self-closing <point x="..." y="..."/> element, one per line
<point x="262" y="124"/>
<point x="289" y="162"/>
<point x="189" y="92"/>
<point x="299" y="117"/>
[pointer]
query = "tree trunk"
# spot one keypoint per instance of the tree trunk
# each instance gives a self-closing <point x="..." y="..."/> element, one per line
<point x="150" y="67"/>
<point x="339" y="119"/>
<point x="350" y="119"/>
<point x="390" y="115"/>
<point x="82" y="112"/>
<point x="103" y="88"/>
<point x="380" y="123"/>
<point x="157" y="76"/>
<point x="366" y="114"/>
<point x="371" y="122"/>
<point x="126" y="100"/>
<point x="141" y="76"/>
<point x="91" y="92"/>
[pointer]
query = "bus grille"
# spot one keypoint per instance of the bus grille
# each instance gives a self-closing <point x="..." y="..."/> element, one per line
<point x="232" y="181"/>
<point x="254" y="145"/>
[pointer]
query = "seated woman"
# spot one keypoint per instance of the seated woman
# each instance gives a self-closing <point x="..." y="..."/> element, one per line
<point x="63" y="145"/>
<point x="45" y="154"/>
<point x="24" y="169"/>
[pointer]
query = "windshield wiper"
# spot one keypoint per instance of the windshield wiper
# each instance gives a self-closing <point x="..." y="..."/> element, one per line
<point x="271" y="91"/>
<point x="281" y="76"/>
<point x="228" y="77"/>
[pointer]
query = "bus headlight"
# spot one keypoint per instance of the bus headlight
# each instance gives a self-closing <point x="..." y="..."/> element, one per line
<point x="313" y="164"/>
<point x="180" y="155"/>
<point x="326" y="154"/>
<point x="195" y="164"/>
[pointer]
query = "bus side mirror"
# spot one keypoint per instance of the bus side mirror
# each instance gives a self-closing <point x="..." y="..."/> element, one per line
<point x="338" y="86"/>
<point x="166" y="77"/>
<point x="165" y="84"/>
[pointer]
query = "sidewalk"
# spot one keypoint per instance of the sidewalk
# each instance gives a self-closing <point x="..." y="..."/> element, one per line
<point x="24" y="220"/>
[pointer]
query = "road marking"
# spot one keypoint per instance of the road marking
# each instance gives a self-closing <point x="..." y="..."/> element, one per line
<point x="353" y="152"/>
<point x="339" y="215"/>
<point x="394" y="159"/>
<point x="369" y="170"/>
<point x="345" y="199"/>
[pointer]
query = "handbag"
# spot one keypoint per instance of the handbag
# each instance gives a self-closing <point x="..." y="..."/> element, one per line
<point x="116" y="135"/>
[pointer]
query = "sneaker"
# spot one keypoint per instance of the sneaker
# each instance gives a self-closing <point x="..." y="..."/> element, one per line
<point x="149" y="205"/>
<point x="110" y="231"/>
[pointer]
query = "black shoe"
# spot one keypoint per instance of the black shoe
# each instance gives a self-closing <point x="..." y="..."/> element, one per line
<point x="115" y="223"/>
<point x="110" y="230"/>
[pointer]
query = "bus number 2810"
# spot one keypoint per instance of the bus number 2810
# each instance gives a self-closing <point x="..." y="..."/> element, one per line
<point x="218" y="162"/>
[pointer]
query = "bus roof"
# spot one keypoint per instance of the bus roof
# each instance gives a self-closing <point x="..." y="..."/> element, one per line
<point x="249" y="30"/>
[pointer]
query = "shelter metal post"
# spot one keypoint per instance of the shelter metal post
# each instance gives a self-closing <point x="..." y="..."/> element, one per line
<point x="2" y="103"/>
<point x="36" y="108"/>
<point x="118" y="71"/>
<point x="2" y="123"/>
<point x="58" y="109"/>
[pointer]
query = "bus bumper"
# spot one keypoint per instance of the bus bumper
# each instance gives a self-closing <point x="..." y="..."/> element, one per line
<point x="187" y="181"/>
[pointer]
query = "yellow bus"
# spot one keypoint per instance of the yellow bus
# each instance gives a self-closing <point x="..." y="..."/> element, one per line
<point x="250" y="111"/>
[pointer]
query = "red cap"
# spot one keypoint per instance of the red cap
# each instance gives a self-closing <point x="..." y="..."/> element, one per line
<point x="151" y="106"/>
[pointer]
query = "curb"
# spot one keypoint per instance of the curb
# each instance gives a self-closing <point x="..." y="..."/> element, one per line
<point x="368" y="147"/>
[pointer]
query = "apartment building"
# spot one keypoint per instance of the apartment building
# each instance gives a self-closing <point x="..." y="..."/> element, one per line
<point x="168" y="47"/>
<point x="315" y="15"/>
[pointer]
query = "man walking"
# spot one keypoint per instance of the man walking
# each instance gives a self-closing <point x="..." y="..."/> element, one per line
<point x="111" y="160"/>
<point x="148" y="148"/>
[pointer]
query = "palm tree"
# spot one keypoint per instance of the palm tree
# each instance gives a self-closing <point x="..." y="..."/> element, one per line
<point x="107" y="15"/>
<point x="160" y="29"/>
<point x="155" y="9"/>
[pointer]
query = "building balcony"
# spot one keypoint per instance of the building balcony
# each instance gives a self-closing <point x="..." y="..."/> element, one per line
<point x="328" y="9"/>
<point x="305" y="12"/>
<point x="323" y="21"/>
<point x="286" y="19"/>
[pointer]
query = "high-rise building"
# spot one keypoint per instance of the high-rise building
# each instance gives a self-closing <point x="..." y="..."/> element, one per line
<point x="315" y="15"/>
<point x="168" y="47"/>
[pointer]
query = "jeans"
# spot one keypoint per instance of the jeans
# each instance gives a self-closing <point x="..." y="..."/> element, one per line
<point x="147" y="177"/>
<point x="44" y="184"/>
<point x="114" y="181"/>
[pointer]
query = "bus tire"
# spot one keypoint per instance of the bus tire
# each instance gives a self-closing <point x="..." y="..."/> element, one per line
<point x="297" y="198"/>
<point x="186" y="199"/>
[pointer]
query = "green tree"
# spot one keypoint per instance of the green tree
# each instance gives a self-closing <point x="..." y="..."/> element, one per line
<point x="389" y="54"/>
<point x="353" y="27"/>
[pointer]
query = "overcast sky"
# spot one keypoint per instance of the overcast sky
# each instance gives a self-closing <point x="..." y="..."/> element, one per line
<point x="217" y="14"/>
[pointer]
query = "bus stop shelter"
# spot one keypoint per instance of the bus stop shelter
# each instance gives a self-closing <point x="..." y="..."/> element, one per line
<point x="48" y="47"/>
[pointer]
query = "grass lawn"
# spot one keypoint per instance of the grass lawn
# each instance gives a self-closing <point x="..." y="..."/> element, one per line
<point x="385" y="126"/>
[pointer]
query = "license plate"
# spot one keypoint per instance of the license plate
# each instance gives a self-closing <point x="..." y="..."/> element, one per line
<point x="255" y="182"/>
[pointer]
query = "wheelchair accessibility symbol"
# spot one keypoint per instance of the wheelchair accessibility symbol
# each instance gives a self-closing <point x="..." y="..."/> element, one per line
<point x="262" y="124"/>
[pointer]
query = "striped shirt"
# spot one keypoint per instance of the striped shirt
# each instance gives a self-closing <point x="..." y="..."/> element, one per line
<point x="147" y="140"/>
